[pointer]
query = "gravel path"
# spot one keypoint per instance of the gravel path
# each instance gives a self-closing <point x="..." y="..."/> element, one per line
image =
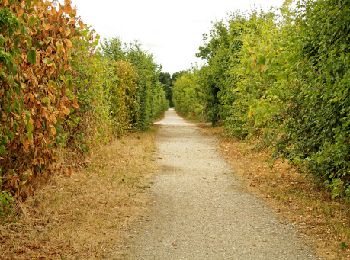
<point x="199" y="209"/>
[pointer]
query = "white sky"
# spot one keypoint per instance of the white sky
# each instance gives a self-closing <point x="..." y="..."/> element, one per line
<point x="170" y="30"/>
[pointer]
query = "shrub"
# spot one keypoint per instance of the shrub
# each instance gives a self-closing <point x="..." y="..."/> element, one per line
<point x="282" y="76"/>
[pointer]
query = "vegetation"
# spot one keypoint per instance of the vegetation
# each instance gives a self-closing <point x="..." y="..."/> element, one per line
<point x="60" y="220"/>
<point x="61" y="92"/>
<point x="188" y="97"/>
<point x="166" y="80"/>
<point x="282" y="76"/>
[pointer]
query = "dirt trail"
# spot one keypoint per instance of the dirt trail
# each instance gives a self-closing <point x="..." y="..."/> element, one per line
<point x="199" y="209"/>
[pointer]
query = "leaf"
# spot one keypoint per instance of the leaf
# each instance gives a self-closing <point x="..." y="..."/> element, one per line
<point x="53" y="130"/>
<point x="30" y="129"/>
<point x="45" y="100"/>
<point x="20" y="12"/>
<point x="53" y="118"/>
<point x="67" y="32"/>
<point x="69" y="43"/>
<point x="2" y="149"/>
<point x="75" y="104"/>
<point x="81" y="24"/>
<point x="26" y="144"/>
<point x="65" y="111"/>
<point x="59" y="46"/>
<point x="47" y="27"/>
<point x="31" y="56"/>
<point x="38" y="124"/>
<point x="261" y="60"/>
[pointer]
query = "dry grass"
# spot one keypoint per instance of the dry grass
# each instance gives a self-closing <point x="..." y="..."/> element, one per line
<point x="296" y="197"/>
<point x="86" y="215"/>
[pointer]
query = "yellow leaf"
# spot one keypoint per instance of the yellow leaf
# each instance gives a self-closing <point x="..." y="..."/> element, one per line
<point x="68" y="43"/>
<point x="59" y="46"/>
<point x="53" y="118"/>
<point x="65" y="110"/>
<point x="250" y="113"/>
<point x="53" y="130"/>
<point x="67" y="32"/>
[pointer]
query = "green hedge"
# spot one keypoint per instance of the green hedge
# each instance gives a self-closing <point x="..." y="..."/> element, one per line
<point x="282" y="76"/>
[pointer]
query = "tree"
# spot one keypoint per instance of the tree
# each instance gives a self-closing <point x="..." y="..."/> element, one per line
<point x="165" y="79"/>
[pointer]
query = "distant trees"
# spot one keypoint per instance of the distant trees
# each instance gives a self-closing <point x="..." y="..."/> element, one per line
<point x="168" y="82"/>
<point x="188" y="96"/>
<point x="165" y="79"/>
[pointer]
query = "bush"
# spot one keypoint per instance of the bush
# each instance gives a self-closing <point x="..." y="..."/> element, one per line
<point x="187" y="96"/>
<point x="35" y="77"/>
<point x="61" y="92"/>
<point x="282" y="76"/>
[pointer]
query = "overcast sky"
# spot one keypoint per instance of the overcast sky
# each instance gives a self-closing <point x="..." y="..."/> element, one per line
<point x="170" y="30"/>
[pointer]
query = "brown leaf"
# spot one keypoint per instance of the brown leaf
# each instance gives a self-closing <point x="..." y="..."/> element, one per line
<point x="31" y="97"/>
<point x="38" y="123"/>
<point x="75" y="104"/>
<point x="47" y="27"/>
<point x="26" y="144"/>
<point x="81" y="24"/>
<point x="20" y="12"/>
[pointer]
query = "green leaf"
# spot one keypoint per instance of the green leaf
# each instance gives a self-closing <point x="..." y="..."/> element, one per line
<point x="30" y="129"/>
<point x="31" y="56"/>
<point x="261" y="59"/>
<point x="2" y="149"/>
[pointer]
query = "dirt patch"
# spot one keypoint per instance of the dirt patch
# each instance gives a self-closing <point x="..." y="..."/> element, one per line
<point x="326" y="222"/>
<point x="87" y="214"/>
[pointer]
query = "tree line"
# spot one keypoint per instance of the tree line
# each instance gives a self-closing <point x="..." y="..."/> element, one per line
<point x="281" y="77"/>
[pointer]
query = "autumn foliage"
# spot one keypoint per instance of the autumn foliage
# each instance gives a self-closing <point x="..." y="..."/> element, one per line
<point x="36" y="92"/>
<point x="58" y="91"/>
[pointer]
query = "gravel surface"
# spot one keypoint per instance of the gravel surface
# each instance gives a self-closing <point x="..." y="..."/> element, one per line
<point x="200" y="210"/>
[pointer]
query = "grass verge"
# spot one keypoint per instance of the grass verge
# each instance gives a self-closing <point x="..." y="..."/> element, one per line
<point x="294" y="196"/>
<point x="87" y="214"/>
